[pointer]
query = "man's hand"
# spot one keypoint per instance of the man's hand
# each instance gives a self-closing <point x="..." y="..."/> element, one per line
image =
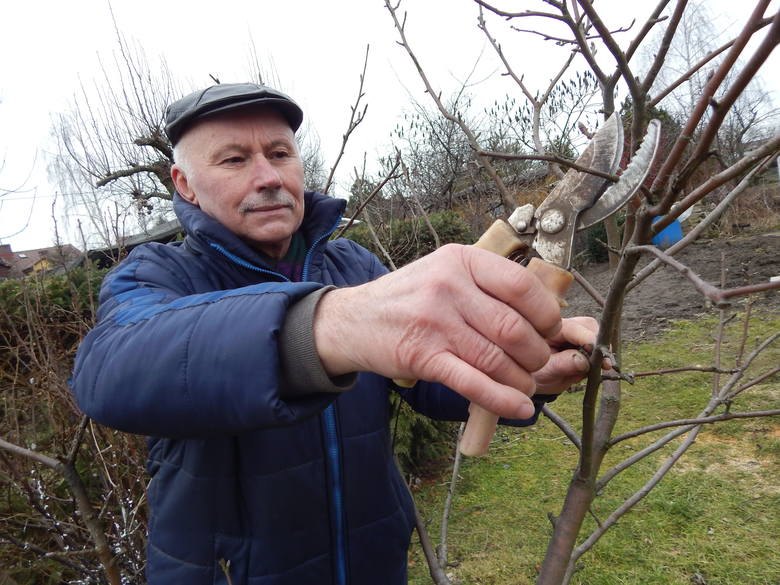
<point x="566" y="365"/>
<point x="462" y="316"/>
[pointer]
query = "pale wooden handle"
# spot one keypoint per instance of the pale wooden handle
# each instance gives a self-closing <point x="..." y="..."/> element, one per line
<point x="479" y="431"/>
<point x="556" y="279"/>
<point x="500" y="238"/>
<point x="481" y="425"/>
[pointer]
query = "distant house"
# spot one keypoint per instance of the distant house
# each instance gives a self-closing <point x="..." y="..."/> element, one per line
<point x="51" y="260"/>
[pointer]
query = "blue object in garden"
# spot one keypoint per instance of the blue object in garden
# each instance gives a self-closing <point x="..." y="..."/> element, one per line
<point x="668" y="236"/>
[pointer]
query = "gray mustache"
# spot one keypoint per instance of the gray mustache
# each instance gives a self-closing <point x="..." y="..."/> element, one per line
<point x="266" y="199"/>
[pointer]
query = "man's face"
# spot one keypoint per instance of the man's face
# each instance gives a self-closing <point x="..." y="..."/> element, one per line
<point x="244" y="170"/>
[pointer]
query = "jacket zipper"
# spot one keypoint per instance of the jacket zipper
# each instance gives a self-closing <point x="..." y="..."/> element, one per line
<point x="332" y="446"/>
<point x="333" y="451"/>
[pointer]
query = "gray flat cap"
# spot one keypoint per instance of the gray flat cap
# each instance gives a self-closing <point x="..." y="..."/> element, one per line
<point x="223" y="98"/>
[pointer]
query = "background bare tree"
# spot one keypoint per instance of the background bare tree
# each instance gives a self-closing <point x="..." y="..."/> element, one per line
<point x="74" y="509"/>
<point x="112" y="160"/>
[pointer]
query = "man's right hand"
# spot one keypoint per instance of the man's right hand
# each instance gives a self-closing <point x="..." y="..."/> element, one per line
<point x="462" y="316"/>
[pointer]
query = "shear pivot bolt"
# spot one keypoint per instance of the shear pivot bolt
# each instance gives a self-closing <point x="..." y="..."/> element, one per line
<point x="552" y="221"/>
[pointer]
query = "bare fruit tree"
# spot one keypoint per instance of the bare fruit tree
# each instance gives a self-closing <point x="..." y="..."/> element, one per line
<point x="677" y="183"/>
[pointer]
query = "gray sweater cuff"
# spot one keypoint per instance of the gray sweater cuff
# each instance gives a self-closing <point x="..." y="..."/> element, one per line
<point x="302" y="370"/>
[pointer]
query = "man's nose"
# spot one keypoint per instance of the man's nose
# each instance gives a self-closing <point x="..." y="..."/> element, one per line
<point x="265" y="174"/>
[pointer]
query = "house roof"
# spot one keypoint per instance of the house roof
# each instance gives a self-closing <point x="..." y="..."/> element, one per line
<point x="163" y="232"/>
<point x="19" y="264"/>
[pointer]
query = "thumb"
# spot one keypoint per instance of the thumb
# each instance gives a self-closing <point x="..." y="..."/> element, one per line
<point x="563" y="369"/>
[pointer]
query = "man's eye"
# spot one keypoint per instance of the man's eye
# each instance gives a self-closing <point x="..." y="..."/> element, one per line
<point x="280" y="154"/>
<point x="233" y="160"/>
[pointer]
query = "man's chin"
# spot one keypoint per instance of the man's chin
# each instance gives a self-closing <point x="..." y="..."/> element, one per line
<point x="273" y="239"/>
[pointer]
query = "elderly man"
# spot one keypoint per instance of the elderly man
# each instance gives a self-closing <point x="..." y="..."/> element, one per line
<point x="259" y="355"/>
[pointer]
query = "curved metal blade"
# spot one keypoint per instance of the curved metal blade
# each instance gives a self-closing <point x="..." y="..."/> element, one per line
<point x="618" y="194"/>
<point x="556" y="217"/>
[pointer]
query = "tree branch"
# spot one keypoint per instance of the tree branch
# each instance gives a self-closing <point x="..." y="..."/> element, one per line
<point x="510" y="15"/>
<point x="706" y="59"/>
<point x="723" y="105"/>
<point x="665" y="173"/>
<point x="718" y="296"/>
<point x="633" y="500"/>
<point x="707" y="221"/>
<point x="506" y="198"/>
<point x="376" y="190"/>
<point x="651" y="21"/>
<point x="354" y="121"/>
<point x="612" y="47"/>
<point x="549" y="158"/>
<point x="588" y="287"/>
<point x="442" y="548"/>
<point x="753" y="382"/>
<point x="561" y="423"/>
<point x="697" y="421"/>
<point x="631" y="376"/>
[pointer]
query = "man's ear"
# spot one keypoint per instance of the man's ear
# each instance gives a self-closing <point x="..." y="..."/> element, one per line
<point x="183" y="185"/>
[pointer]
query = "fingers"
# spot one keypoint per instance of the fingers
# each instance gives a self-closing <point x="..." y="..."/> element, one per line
<point x="515" y="286"/>
<point x="462" y="316"/>
<point x="481" y="389"/>
<point x="508" y="330"/>
<point x="577" y="331"/>
<point x="562" y="370"/>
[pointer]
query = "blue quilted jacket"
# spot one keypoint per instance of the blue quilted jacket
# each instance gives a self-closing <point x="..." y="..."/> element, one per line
<point x="273" y="489"/>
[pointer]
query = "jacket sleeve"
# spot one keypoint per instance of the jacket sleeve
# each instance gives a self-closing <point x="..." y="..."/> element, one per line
<point x="164" y="362"/>
<point x="439" y="402"/>
<point x="436" y="400"/>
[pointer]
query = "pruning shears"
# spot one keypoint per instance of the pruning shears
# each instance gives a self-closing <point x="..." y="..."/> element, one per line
<point x="546" y="233"/>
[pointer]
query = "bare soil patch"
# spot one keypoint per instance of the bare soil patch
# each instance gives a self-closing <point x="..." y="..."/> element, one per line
<point x="667" y="295"/>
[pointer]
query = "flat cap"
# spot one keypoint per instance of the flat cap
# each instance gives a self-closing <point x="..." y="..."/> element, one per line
<point x="224" y="98"/>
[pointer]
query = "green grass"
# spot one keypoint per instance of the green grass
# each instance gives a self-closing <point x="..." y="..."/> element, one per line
<point x="714" y="519"/>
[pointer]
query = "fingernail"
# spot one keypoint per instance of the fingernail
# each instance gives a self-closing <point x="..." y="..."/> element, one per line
<point x="582" y="364"/>
<point x="525" y="411"/>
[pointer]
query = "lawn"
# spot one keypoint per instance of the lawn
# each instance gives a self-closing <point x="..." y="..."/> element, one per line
<point x="713" y="520"/>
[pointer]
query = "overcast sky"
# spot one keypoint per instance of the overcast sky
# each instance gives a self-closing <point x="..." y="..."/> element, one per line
<point x="316" y="48"/>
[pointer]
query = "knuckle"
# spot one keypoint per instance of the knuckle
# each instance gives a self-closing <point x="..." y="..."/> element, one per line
<point x="511" y="328"/>
<point x="538" y="359"/>
<point x="490" y="359"/>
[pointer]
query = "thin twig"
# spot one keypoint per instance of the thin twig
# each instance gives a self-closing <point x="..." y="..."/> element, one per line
<point x="378" y="242"/>
<point x="718" y="296"/>
<point x="696" y="421"/>
<point x="753" y="382"/>
<point x="78" y="437"/>
<point x="506" y="198"/>
<point x="561" y="423"/>
<point x="445" y="517"/>
<point x="355" y="119"/>
<point x="743" y="338"/>
<point x="726" y="391"/>
<point x="510" y="15"/>
<point x="633" y="375"/>
<point x="588" y="287"/>
<point x="374" y="192"/>
<point x="633" y="500"/>
<point x="693" y="235"/>
<point x="706" y="59"/>
<point x="549" y="158"/>
<point x="536" y="103"/>
<point x="639" y="455"/>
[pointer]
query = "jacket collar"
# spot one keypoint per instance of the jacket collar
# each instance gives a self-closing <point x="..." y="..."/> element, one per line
<point x="321" y="215"/>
